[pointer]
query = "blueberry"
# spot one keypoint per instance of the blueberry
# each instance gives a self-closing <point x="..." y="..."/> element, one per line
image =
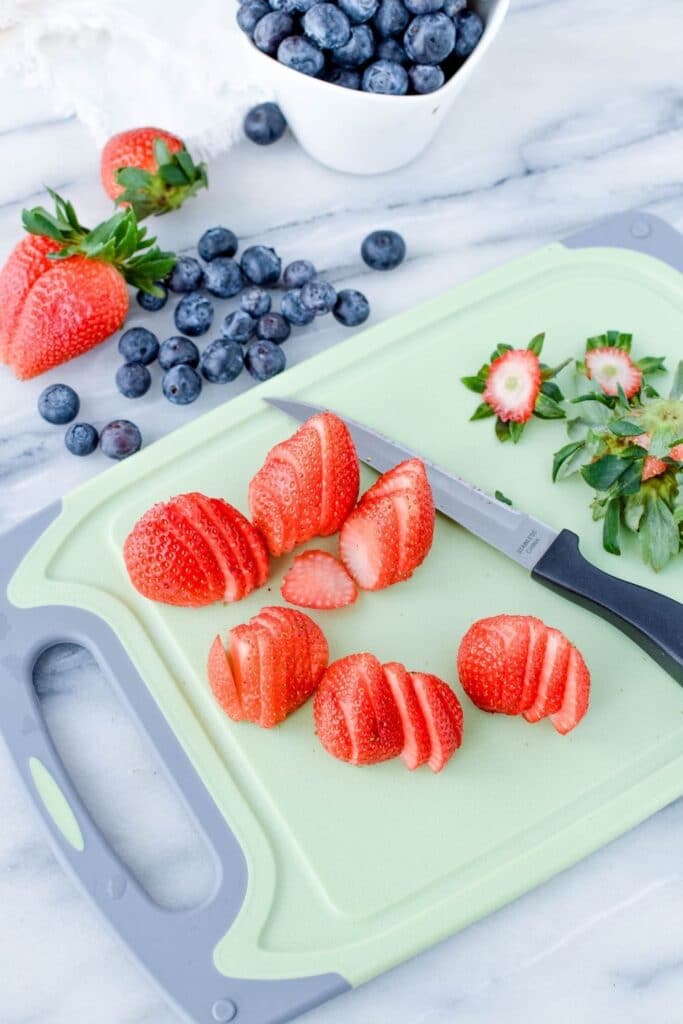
<point x="238" y="326"/>
<point x="359" y="49"/>
<point x="392" y="17"/>
<point x="383" y="250"/>
<point x="264" y="124"/>
<point x="319" y="296"/>
<point x="138" y="345"/>
<point x="222" y="361"/>
<point x="255" y="301"/>
<point x="194" y="314"/>
<point x="423" y="6"/>
<point x="250" y="14"/>
<point x="223" y="277"/>
<point x="386" y="76"/>
<point x="175" y="351"/>
<point x="58" y="404"/>
<point x="181" y="384"/>
<point x="343" y="76"/>
<point x="119" y="439"/>
<point x="271" y="30"/>
<point x="304" y="5"/>
<point x="298" y="273"/>
<point x="217" y="242"/>
<point x="358" y="11"/>
<point x="426" y="77"/>
<point x="326" y="25"/>
<point x="81" y="439"/>
<point x="469" y="30"/>
<point x="429" y="38"/>
<point x="153" y="303"/>
<point x="453" y="7"/>
<point x="283" y="5"/>
<point x="391" y="49"/>
<point x="133" y="380"/>
<point x="264" y="359"/>
<point x="186" y="276"/>
<point x="273" y="327"/>
<point x="351" y="308"/>
<point x="293" y="309"/>
<point x="261" y="265"/>
<point x="301" y="55"/>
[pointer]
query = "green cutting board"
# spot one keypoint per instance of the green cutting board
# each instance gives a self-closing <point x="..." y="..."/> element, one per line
<point x="352" y="870"/>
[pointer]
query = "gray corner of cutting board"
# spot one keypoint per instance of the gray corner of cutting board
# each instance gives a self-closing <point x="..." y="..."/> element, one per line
<point x="635" y="230"/>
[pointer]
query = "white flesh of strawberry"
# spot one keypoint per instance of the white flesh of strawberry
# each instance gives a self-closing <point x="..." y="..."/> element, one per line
<point x="612" y="367"/>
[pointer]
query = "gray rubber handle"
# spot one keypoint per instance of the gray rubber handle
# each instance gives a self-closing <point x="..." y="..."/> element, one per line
<point x="175" y="948"/>
<point x="642" y="232"/>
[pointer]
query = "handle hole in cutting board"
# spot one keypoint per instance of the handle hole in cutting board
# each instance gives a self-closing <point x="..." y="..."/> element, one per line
<point x="119" y="781"/>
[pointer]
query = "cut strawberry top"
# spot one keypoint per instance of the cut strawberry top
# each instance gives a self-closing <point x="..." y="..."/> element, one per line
<point x="513" y="385"/>
<point x="612" y="368"/>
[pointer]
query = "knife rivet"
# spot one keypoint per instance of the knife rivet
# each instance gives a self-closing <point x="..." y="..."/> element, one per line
<point x="641" y="228"/>
<point x="224" y="1010"/>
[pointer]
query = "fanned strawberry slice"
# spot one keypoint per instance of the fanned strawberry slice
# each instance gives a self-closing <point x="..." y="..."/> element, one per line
<point x="302" y="452"/>
<point x="274" y="644"/>
<point x="390" y="532"/>
<point x="417" y="745"/>
<point x="387" y="717"/>
<point x="443" y="717"/>
<point x="222" y="681"/>
<point x="340" y="471"/>
<point x="245" y="657"/>
<point x="552" y="677"/>
<point x="576" y="694"/>
<point x="266" y="512"/>
<point x="513" y="385"/>
<point x="612" y="367"/>
<point x="283" y="484"/>
<point x="538" y="641"/>
<point x="199" y="516"/>
<point x="317" y="579"/>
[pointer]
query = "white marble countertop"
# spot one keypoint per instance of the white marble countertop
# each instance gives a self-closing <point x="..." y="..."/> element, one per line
<point x="577" y="113"/>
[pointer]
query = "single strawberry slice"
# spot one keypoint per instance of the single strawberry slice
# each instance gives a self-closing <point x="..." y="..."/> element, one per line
<point x="368" y="544"/>
<point x="222" y="681"/>
<point x="576" y="694"/>
<point x="492" y="663"/>
<point x="317" y="580"/>
<point x="282" y="479"/>
<point x="612" y="367"/>
<point x="237" y="583"/>
<point x="552" y="678"/>
<point x="168" y="561"/>
<point x="247" y="543"/>
<point x="417" y="746"/>
<point x="443" y="717"/>
<point x="266" y="513"/>
<point x="387" y="716"/>
<point x="538" y="640"/>
<point x="245" y="654"/>
<point x="275" y="666"/>
<point x="331" y="723"/>
<point x="403" y="477"/>
<point x="318" y="648"/>
<point x="303" y="646"/>
<point x="303" y="452"/>
<point x="340" y="471"/>
<point x="513" y="385"/>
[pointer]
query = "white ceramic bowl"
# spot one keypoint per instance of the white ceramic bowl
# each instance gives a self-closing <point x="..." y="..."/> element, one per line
<point x="366" y="133"/>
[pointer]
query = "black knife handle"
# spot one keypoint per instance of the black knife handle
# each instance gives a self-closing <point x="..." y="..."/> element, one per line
<point x="653" y="621"/>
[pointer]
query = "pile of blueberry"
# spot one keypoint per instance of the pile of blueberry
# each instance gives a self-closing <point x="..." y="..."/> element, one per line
<point x="250" y="336"/>
<point x="382" y="46"/>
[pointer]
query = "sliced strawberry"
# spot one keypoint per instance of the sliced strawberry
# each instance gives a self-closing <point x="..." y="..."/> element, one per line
<point x="274" y="645"/>
<point x="222" y="681"/>
<point x="199" y="516"/>
<point x="247" y="542"/>
<point x="318" y="649"/>
<point x="331" y="724"/>
<point x="492" y="663"/>
<point x="317" y="580"/>
<point x="340" y="472"/>
<point x="368" y="544"/>
<point x="538" y="640"/>
<point x="443" y="717"/>
<point x="246" y="668"/>
<point x="387" y="717"/>
<point x="513" y="385"/>
<point x="303" y="452"/>
<point x="653" y="467"/>
<point x="417" y="746"/>
<point x="612" y="367"/>
<point x="266" y="513"/>
<point x="552" y="678"/>
<point x="576" y="694"/>
<point x="307" y="651"/>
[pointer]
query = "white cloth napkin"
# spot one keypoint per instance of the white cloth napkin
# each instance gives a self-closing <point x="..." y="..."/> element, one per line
<point x="175" y="64"/>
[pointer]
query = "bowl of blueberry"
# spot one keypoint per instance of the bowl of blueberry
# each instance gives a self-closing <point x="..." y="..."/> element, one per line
<point x="365" y="84"/>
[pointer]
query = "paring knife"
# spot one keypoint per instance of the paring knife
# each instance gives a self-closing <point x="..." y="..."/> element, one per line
<point x="653" y="621"/>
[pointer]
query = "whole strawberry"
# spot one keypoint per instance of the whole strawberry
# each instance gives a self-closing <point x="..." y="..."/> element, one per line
<point x="63" y="288"/>
<point x="150" y="170"/>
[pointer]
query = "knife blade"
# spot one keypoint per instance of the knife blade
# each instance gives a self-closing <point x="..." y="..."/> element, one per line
<point x="652" y="620"/>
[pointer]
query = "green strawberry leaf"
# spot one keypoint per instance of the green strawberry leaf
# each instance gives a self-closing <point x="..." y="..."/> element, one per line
<point x="677" y="385"/>
<point x="566" y="457"/>
<point x="552" y="391"/>
<point x="658" y="533"/>
<point x="516" y="431"/>
<point x="630" y="480"/>
<point x="476" y="384"/>
<point x="499" y="496"/>
<point x="601" y="474"/>
<point x="177" y="178"/>
<point x="502" y="430"/>
<point x="547" y="408"/>
<point x="651" y="364"/>
<point x="634" y="509"/>
<point x="482" y="412"/>
<point x="536" y="344"/>
<point x="500" y="350"/>
<point x="610" y="527"/>
<point x="624" y="428"/>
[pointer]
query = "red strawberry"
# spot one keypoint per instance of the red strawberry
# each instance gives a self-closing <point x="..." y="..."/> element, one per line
<point x="150" y="170"/>
<point x="317" y="580"/>
<point x="193" y="550"/>
<point x="366" y="713"/>
<point x="443" y="716"/>
<point x="64" y="290"/>
<point x="515" y="664"/>
<point x="513" y="385"/>
<point x="576" y="694"/>
<point x="611" y="367"/>
<point x="307" y="485"/>
<point x="653" y="467"/>
<point x="271" y="666"/>
<point x="390" y="532"/>
<point x="676" y="453"/>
